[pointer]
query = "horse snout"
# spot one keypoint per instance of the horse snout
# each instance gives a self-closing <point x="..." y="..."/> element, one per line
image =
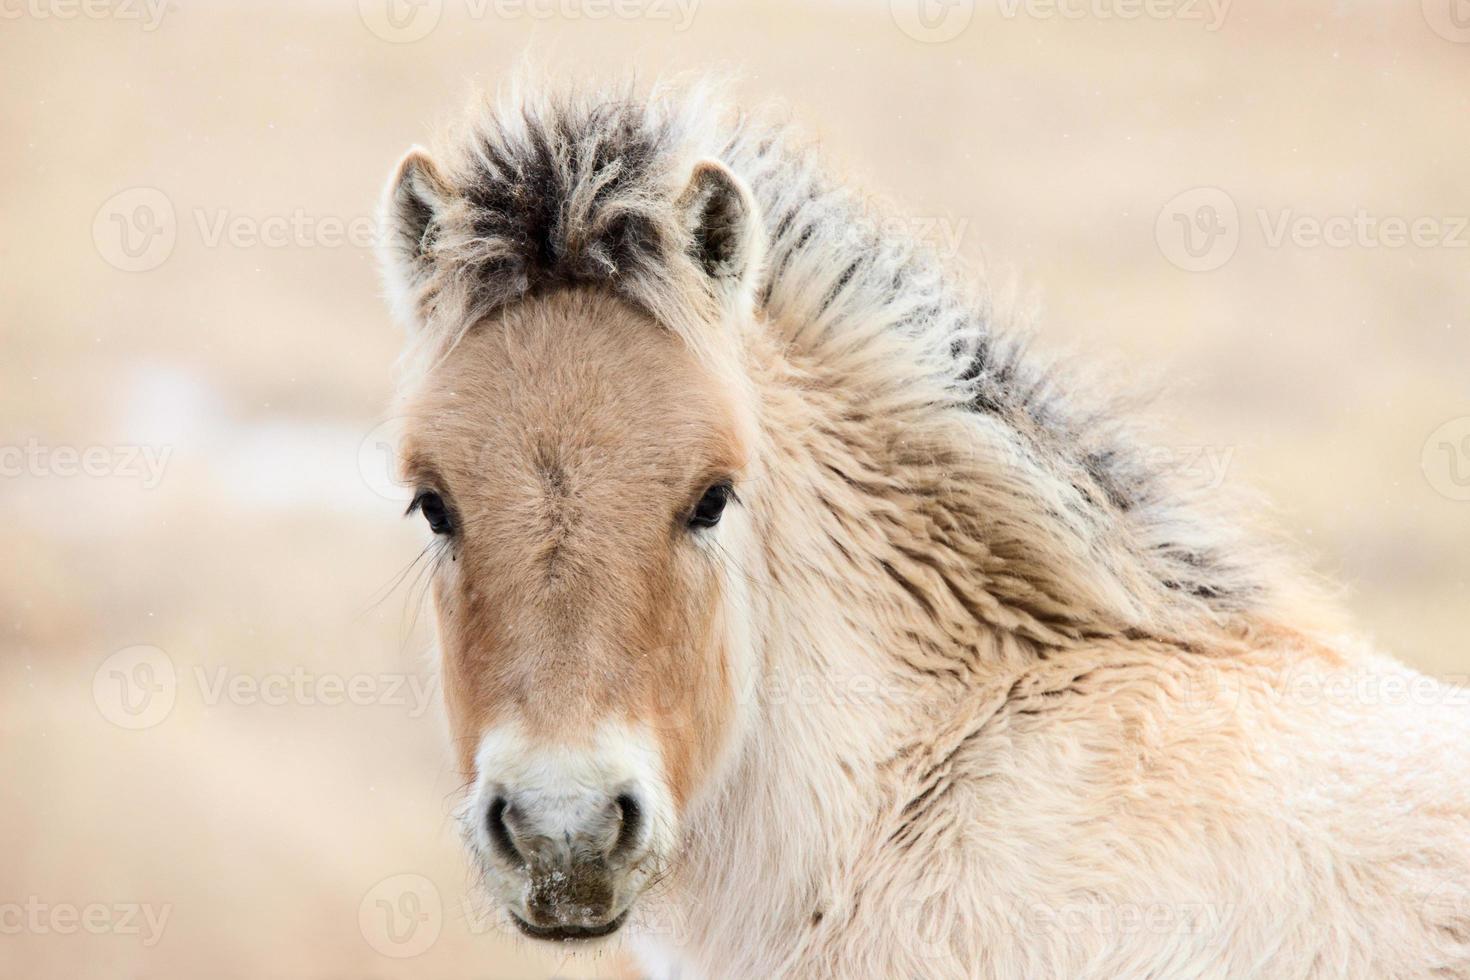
<point x="574" y="857"/>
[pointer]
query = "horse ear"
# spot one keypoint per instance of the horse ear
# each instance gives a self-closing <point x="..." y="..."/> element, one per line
<point x="721" y="219"/>
<point x="415" y="201"/>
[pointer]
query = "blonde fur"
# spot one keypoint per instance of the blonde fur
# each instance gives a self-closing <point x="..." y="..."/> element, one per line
<point x="977" y="691"/>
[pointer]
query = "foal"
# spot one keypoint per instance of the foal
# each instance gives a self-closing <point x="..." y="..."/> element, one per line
<point x="796" y="619"/>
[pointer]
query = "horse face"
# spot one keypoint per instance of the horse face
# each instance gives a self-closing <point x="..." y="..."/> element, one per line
<point x="582" y="473"/>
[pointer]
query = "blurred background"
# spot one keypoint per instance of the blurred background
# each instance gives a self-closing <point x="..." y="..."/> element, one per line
<point x="221" y="748"/>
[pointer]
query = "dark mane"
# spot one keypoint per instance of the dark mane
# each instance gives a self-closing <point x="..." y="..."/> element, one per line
<point x="577" y="188"/>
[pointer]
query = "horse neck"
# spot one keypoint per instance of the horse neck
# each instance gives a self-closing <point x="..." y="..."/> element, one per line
<point x="767" y="848"/>
<point x="853" y="674"/>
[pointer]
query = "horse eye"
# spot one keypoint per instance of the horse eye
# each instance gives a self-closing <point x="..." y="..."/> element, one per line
<point x="432" y="506"/>
<point x="707" y="512"/>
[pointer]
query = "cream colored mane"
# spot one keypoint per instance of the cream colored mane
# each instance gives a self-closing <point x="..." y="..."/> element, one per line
<point x="557" y="187"/>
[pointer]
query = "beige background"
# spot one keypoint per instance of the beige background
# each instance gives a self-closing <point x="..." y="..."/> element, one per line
<point x="264" y="820"/>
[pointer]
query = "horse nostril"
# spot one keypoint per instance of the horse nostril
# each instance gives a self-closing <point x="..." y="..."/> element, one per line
<point x="632" y="815"/>
<point x="500" y="833"/>
<point x="562" y="838"/>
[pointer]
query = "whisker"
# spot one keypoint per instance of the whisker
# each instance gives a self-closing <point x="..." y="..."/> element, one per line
<point x="387" y="589"/>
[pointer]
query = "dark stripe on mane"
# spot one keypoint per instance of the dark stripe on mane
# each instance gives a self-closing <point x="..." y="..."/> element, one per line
<point x="576" y="191"/>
